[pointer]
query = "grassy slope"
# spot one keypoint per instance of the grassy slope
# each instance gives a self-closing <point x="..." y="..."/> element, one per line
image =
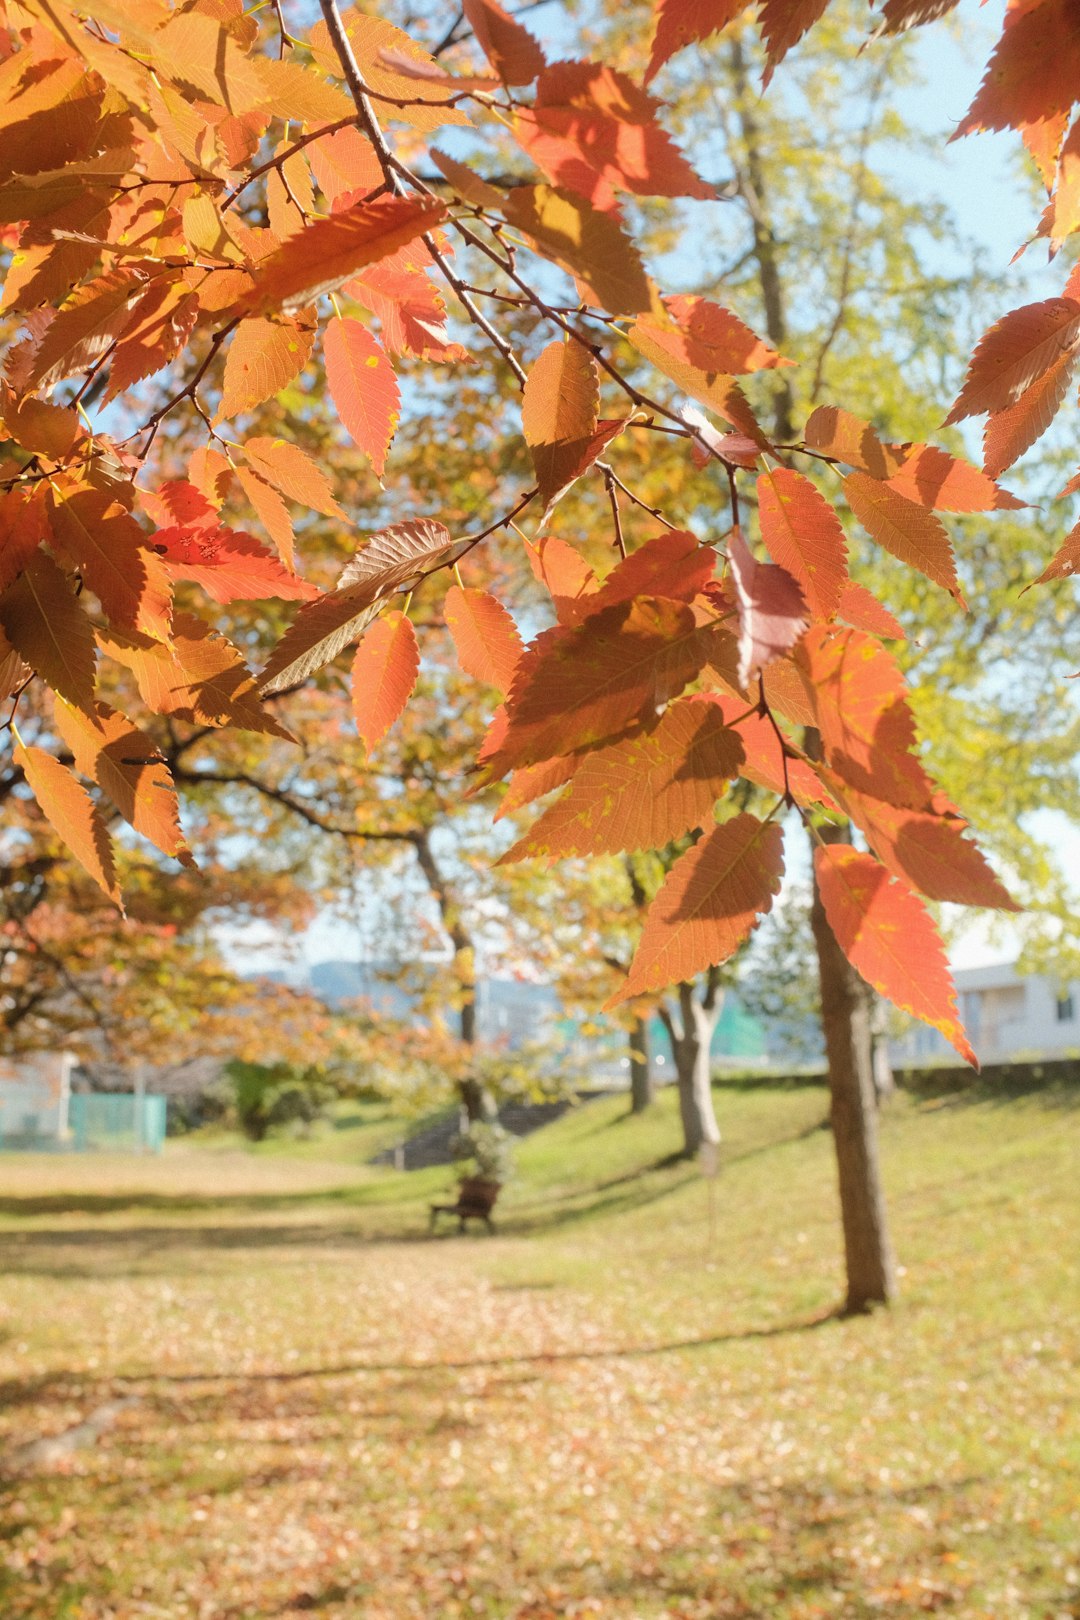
<point x="622" y="1405"/>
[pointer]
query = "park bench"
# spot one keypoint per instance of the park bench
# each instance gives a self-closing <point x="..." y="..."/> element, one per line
<point x="475" y="1202"/>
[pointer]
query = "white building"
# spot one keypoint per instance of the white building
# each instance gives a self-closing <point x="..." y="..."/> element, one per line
<point x="35" y="1093"/>
<point x="1008" y="1017"/>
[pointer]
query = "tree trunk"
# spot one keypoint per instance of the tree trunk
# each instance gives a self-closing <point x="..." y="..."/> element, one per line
<point x="845" y="1018"/>
<point x="642" y="1086"/>
<point x="690" y="1044"/>
<point x="884" y="1080"/>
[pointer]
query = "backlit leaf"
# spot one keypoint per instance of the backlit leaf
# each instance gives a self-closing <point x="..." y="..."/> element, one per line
<point x="363" y="387"/>
<point x="783" y="23"/>
<point x="72" y="813"/>
<point x="486" y="638"/>
<point x="85" y="327"/>
<point x="47" y="627"/>
<point x="643" y="791"/>
<point x="591" y="245"/>
<point x="849" y="439"/>
<point x="671" y="564"/>
<point x="772" y="611"/>
<point x="115" y="557"/>
<point x="709" y="903"/>
<point x="861" y="608"/>
<point x="946" y="483"/>
<point x="559" y="411"/>
<point x="263" y="358"/>
<point x="509" y="47"/>
<point x="384" y="673"/>
<point x="683" y="22"/>
<point x="1066" y="560"/>
<point x="292" y="471"/>
<point x="1034" y="70"/>
<point x="889" y="938"/>
<point x="804" y="535"/>
<point x="200" y="676"/>
<point x="567" y="576"/>
<point x="909" y="531"/>
<point x="229" y="565"/>
<point x="1009" y="433"/>
<point x="1015" y="352"/>
<point x="128" y="767"/>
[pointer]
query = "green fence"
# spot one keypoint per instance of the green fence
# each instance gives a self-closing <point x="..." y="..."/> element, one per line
<point x="120" y="1121"/>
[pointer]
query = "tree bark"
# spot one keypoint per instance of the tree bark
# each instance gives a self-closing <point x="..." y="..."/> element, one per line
<point x="642" y="1085"/>
<point x="691" y="1040"/>
<point x="476" y="1100"/>
<point x="845" y="1018"/>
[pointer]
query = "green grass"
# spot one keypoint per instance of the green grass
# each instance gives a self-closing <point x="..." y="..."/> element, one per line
<point x="633" y="1402"/>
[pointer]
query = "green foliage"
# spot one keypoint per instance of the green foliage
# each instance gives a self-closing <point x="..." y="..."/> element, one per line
<point x="267" y="1095"/>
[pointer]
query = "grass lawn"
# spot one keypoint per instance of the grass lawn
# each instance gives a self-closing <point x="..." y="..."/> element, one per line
<point x="627" y="1404"/>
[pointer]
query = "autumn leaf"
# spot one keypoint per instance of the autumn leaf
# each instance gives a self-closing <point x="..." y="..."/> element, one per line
<point x="1065" y="561"/>
<point x="200" y="677"/>
<point x="559" y="411"/>
<point x="909" y="531"/>
<point x="1033" y="72"/>
<point x="128" y="767"/>
<point x="83" y="330"/>
<point x="229" y="565"/>
<point x="679" y="23"/>
<point x="566" y="575"/>
<point x="766" y="760"/>
<point x="263" y="358"/>
<point x="508" y="45"/>
<point x="803" y="534"/>
<point x="383" y="675"/>
<point x="861" y="608"/>
<point x="294" y="472"/>
<point x="889" y="938"/>
<point x="1016" y="352"/>
<point x="836" y="433"/>
<point x="772" y="610"/>
<point x="946" y="483"/>
<point x="643" y="791"/>
<point x="860" y="707"/>
<point x="72" y="814"/>
<point x="363" y="387"/>
<point x="689" y="353"/>
<point x="673" y="564"/>
<point x="318" y="259"/>
<point x="1009" y="433"/>
<point x="783" y="23"/>
<point x="47" y="627"/>
<point x="709" y="903"/>
<point x="392" y="558"/>
<point x="114" y="556"/>
<point x="485" y="637"/>
<point x="591" y="245"/>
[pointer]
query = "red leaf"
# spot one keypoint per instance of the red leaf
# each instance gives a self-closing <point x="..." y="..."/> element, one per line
<point x="861" y="710"/>
<point x="849" y="439"/>
<point x="319" y="259"/>
<point x="909" y="531"/>
<point x="363" y="387"/>
<point x="783" y="23"/>
<point x="803" y="534"/>
<point x="595" y="131"/>
<point x="710" y="901"/>
<point x="72" y="813"/>
<point x="764" y="758"/>
<point x="229" y="565"/>
<point x="861" y="608"/>
<point x="533" y="781"/>
<point x="128" y="767"/>
<point x="683" y="22"/>
<point x="1034" y="70"/>
<point x="1008" y="434"/>
<point x="384" y="674"/>
<point x="507" y="44"/>
<point x="485" y="636"/>
<point x="889" y="938"/>
<point x="559" y="411"/>
<point x="643" y="791"/>
<point x="772" y="612"/>
<point x="945" y="483"/>
<point x="1016" y="352"/>
<point x="672" y="564"/>
<point x="411" y="311"/>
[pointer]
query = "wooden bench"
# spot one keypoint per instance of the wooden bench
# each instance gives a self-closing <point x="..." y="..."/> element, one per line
<point x="475" y="1202"/>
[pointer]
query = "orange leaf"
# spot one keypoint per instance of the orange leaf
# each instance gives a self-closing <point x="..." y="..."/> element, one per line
<point x="199" y="677"/>
<point x="533" y="781"/>
<point x="772" y="611"/>
<point x="23" y="526"/>
<point x="783" y="23"/>
<point x="566" y="575"/>
<point x="689" y="352"/>
<point x="1034" y="70"/>
<point x="1016" y="352"/>
<point x="363" y="387"/>
<point x="849" y="439"/>
<point x="384" y="673"/>
<point x="115" y="558"/>
<point x="485" y="636"/>
<point x="344" y="162"/>
<point x="72" y="814"/>
<point x="946" y="483"/>
<point x="861" y="710"/>
<point x="889" y="938"/>
<point x="683" y="22"/>
<point x="128" y="767"/>
<point x="84" y="328"/>
<point x="909" y="531"/>
<point x="271" y="511"/>
<point x="47" y="627"/>
<point x="804" y="535"/>
<point x="710" y="901"/>
<point x="507" y="44"/>
<point x="591" y="245"/>
<point x="159" y="326"/>
<point x="559" y="412"/>
<point x="292" y="471"/>
<point x="643" y="791"/>
<point x="671" y="564"/>
<point x="764" y="758"/>
<point x="1009" y="433"/>
<point x="263" y="358"/>
<point x="861" y="608"/>
<point x="1065" y="561"/>
<point x="320" y="258"/>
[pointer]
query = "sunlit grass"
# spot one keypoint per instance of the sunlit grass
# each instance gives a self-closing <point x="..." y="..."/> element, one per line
<point x="628" y="1403"/>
